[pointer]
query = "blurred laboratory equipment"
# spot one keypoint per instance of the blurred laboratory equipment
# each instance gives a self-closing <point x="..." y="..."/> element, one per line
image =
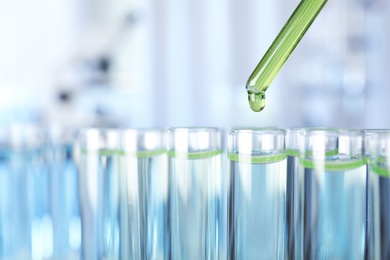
<point x="26" y="223"/>
<point x="195" y="196"/>
<point x="99" y="193"/>
<point x="338" y="69"/>
<point x="110" y="66"/>
<point x="144" y="195"/>
<point x="64" y="192"/>
<point x="257" y="194"/>
<point x="86" y="86"/>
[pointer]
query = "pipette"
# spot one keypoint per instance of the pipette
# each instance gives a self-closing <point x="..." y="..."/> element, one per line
<point x="280" y="50"/>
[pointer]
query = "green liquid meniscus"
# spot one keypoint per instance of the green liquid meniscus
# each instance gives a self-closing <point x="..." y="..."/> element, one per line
<point x="279" y="51"/>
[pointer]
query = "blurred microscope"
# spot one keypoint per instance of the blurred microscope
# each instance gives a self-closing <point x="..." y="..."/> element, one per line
<point x="86" y="91"/>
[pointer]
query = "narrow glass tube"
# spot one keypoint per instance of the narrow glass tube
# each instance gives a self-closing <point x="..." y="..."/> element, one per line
<point x="195" y="193"/>
<point x="26" y="229"/>
<point x="144" y="195"/>
<point x="257" y="194"/>
<point x="294" y="145"/>
<point x="10" y="211"/>
<point x="378" y="157"/>
<point x="279" y="51"/>
<point x="335" y="181"/>
<point x="99" y="193"/>
<point x="64" y="193"/>
<point x="8" y="242"/>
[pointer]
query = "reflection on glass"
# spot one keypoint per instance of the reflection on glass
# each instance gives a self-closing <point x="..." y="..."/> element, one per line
<point x="64" y="194"/>
<point x="294" y="144"/>
<point x="334" y="195"/>
<point x="257" y="195"/>
<point x="195" y="193"/>
<point x="99" y="193"/>
<point x="26" y="227"/>
<point x="144" y="182"/>
<point x="378" y="157"/>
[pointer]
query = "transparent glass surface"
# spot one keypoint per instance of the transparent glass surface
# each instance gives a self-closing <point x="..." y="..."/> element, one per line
<point x="64" y="190"/>
<point x="257" y="194"/>
<point x="294" y="145"/>
<point x="334" y="190"/>
<point x="144" y="186"/>
<point x="99" y="193"/>
<point x="196" y="202"/>
<point x="378" y="158"/>
<point x="26" y="229"/>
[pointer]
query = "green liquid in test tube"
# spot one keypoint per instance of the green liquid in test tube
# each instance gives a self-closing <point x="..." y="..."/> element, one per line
<point x="280" y="50"/>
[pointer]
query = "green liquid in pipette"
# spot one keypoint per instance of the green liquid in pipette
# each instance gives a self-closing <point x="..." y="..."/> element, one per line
<point x="280" y="50"/>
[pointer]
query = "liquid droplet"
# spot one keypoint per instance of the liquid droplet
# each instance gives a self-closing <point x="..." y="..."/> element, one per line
<point x="256" y="101"/>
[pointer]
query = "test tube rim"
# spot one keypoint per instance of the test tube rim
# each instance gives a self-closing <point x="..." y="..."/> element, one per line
<point x="257" y="130"/>
<point x="135" y="133"/>
<point x="92" y="145"/>
<point x="215" y="132"/>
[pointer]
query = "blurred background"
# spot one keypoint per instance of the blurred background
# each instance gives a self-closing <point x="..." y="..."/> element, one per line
<point x="144" y="63"/>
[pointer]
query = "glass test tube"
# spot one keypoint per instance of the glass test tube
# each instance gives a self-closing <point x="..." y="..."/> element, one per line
<point x="257" y="194"/>
<point x="26" y="229"/>
<point x="9" y="244"/>
<point x="378" y="157"/>
<point x="99" y="193"/>
<point x="65" y="206"/>
<point x="294" y="145"/>
<point x="144" y="186"/>
<point x="334" y="194"/>
<point x="195" y="193"/>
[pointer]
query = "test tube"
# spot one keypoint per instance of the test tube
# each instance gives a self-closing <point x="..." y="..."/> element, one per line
<point x="64" y="193"/>
<point x="195" y="193"/>
<point x="335" y="185"/>
<point x="257" y="194"/>
<point x="26" y="230"/>
<point x="99" y="193"/>
<point x="144" y="196"/>
<point x="294" y="145"/>
<point x="8" y="199"/>
<point x="378" y="156"/>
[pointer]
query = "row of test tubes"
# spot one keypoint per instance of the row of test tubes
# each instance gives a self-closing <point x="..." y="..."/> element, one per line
<point x="39" y="201"/>
<point x="309" y="193"/>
